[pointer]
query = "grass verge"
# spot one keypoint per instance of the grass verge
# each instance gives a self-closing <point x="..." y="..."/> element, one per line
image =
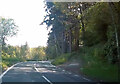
<point x="9" y="61"/>
<point x="94" y="65"/>
<point x="61" y="59"/>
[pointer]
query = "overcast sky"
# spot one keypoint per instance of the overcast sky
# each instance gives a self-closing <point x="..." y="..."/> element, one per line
<point x="28" y="14"/>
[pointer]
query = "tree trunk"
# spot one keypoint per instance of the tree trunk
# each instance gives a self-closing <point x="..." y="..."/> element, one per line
<point x="83" y="28"/>
<point x="63" y="41"/>
<point x="76" y="38"/>
<point x="3" y="43"/>
<point x="70" y="40"/>
<point x="111" y="5"/>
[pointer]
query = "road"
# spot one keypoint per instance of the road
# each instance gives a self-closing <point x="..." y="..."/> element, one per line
<point x="41" y="71"/>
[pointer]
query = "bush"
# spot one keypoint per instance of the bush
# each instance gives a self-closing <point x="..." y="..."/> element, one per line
<point x="9" y="61"/>
<point x="96" y="66"/>
<point x="61" y="59"/>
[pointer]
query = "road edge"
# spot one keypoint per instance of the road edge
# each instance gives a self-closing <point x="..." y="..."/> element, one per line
<point x="8" y="70"/>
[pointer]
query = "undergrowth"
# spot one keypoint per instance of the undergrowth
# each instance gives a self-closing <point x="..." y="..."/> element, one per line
<point x="95" y="64"/>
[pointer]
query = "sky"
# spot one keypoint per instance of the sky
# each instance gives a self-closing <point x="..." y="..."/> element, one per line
<point x="27" y="14"/>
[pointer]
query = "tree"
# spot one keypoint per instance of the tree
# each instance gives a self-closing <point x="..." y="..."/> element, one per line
<point x="7" y="29"/>
<point x="25" y="51"/>
<point x="89" y="24"/>
<point x="54" y="18"/>
<point x="38" y="53"/>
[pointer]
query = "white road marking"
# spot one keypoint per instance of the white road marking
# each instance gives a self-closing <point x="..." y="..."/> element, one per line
<point x="36" y="69"/>
<point x="43" y="76"/>
<point x="69" y="73"/>
<point x="76" y="75"/>
<point x="7" y="70"/>
<point x="47" y="80"/>
<point x="86" y="79"/>
<point x="53" y="65"/>
<point x="33" y="81"/>
<point x="63" y="70"/>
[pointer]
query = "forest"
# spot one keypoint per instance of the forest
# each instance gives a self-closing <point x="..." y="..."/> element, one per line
<point x="84" y="31"/>
<point x="15" y="54"/>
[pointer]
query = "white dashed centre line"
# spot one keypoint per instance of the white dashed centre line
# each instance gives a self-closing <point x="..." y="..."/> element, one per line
<point x="36" y="69"/>
<point x="47" y="80"/>
<point x="44" y="76"/>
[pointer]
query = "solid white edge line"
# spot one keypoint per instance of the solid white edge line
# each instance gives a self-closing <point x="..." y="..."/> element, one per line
<point x="59" y="68"/>
<point x="86" y="79"/>
<point x="75" y="75"/>
<point x="47" y="80"/>
<point x="7" y="70"/>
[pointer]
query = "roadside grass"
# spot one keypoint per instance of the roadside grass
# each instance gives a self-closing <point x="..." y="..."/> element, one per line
<point x="4" y="66"/>
<point x="61" y="59"/>
<point x="105" y="72"/>
<point x="9" y="61"/>
<point x="65" y="58"/>
<point x="94" y="65"/>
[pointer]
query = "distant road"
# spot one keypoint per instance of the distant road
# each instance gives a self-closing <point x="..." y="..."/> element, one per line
<point x="42" y="71"/>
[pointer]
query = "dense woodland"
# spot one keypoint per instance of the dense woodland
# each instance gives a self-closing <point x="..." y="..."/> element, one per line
<point x="76" y="25"/>
<point x="88" y="33"/>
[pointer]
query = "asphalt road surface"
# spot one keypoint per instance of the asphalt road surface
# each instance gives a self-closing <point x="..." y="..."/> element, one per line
<point x="39" y="71"/>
